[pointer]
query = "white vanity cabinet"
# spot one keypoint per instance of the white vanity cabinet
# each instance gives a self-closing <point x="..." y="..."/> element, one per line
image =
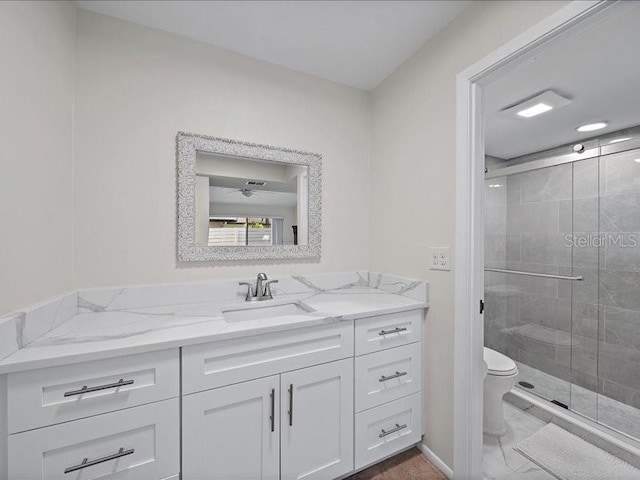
<point x="296" y="422"/>
<point x="38" y="398"/>
<point x="132" y="444"/>
<point x="317" y="421"/>
<point x="114" y="419"/>
<point x="232" y="433"/>
<point x="216" y="364"/>
<point x="314" y="402"/>
<point x="332" y="399"/>
<point x="297" y="425"/>
<point x="388" y="386"/>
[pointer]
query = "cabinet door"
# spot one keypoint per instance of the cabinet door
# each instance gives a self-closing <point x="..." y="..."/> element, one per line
<point x="317" y="421"/>
<point x="232" y="432"/>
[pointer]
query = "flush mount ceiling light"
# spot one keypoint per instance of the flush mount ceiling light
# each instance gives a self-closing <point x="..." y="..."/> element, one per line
<point x="533" y="106"/>
<point x="590" y="127"/>
<point x="537" y="109"/>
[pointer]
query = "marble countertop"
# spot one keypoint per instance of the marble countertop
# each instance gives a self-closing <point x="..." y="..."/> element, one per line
<point x="108" y="324"/>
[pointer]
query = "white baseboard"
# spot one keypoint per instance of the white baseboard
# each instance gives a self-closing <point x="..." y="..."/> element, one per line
<point x="433" y="458"/>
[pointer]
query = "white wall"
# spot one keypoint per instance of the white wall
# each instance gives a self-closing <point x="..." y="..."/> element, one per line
<point x="36" y="92"/>
<point x="136" y="87"/>
<point x="413" y="156"/>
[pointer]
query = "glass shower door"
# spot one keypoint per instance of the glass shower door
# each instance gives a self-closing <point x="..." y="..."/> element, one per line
<point x="618" y="360"/>
<point x="562" y="283"/>
<point x="529" y="309"/>
<point x="585" y="261"/>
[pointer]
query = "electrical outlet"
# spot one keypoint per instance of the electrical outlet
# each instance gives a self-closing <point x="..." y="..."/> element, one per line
<point x="439" y="259"/>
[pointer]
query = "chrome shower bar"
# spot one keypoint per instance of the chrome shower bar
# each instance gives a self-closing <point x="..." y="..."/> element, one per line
<point x="579" y="278"/>
<point x="562" y="155"/>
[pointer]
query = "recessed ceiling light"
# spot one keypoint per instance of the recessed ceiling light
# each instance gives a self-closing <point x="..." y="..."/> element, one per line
<point x="537" y="109"/>
<point x="541" y="103"/>
<point x="498" y="185"/>
<point x="637" y="160"/>
<point x="590" y="127"/>
<point x="618" y="140"/>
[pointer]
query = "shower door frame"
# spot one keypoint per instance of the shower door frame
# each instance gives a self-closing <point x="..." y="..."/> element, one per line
<point x="469" y="237"/>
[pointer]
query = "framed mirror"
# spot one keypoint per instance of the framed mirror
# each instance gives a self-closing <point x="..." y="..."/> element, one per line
<point x="243" y="201"/>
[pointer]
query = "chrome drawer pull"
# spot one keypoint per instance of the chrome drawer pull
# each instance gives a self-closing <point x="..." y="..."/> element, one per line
<point x="86" y="389"/>
<point x="90" y="463"/>
<point x="397" y="428"/>
<point x="291" y="404"/>
<point x="395" y="330"/>
<point x="391" y="377"/>
<point x="273" y="410"/>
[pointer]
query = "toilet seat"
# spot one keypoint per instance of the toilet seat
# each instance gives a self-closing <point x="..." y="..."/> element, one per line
<point x="499" y="364"/>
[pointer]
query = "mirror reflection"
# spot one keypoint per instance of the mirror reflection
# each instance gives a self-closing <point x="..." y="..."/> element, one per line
<point x="246" y="202"/>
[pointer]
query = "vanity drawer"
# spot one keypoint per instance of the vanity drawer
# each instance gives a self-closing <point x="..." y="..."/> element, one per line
<point x="47" y="396"/>
<point x="388" y="375"/>
<point x="388" y="331"/>
<point x="226" y="362"/>
<point x="387" y="429"/>
<point x="137" y="443"/>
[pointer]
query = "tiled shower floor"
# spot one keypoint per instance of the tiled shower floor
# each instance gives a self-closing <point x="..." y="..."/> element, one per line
<point x="605" y="410"/>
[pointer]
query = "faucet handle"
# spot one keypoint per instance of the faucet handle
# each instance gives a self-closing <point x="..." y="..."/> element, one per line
<point x="250" y="291"/>
<point x="267" y="288"/>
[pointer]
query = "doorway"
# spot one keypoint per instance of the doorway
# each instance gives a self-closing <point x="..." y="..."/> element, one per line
<point x="469" y="275"/>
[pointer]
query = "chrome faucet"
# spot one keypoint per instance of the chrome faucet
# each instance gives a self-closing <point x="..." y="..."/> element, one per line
<point x="262" y="290"/>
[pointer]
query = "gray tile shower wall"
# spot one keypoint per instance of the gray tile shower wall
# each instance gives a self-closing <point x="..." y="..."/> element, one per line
<point x="573" y="219"/>
<point x="619" y="283"/>
<point x="536" y="320"/>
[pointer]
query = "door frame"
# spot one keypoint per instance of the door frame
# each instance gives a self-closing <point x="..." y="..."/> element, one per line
<point x="469" y="237"/>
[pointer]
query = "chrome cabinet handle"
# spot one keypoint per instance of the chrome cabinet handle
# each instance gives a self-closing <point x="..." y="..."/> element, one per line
<point x="395" y="330"/>
<point x="391" y="377"/>
<point x="290" y="404"/>
<point x="85" y="389"/>
<point x="273" y="410"/>
<point x="90" y="463"/>
<point x="397" y="428"/>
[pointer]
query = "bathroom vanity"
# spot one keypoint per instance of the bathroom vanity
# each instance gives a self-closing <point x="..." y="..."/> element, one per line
<point x="191" y="382"/>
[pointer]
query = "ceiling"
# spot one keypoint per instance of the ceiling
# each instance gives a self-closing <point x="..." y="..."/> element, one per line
<point x="261" y="198"/>
<point x="239" y="183"/>
<point x="355" y="43"/>
<point x="596" y="65"/>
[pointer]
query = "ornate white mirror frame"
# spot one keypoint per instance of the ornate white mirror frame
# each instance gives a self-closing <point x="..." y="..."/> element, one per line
<point x="188" y="145"/>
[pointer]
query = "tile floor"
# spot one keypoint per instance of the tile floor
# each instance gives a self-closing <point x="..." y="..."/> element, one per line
<point x="501" y="461"/>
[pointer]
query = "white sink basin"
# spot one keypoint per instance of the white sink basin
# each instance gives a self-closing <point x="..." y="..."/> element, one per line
<point x="258" y="312"/>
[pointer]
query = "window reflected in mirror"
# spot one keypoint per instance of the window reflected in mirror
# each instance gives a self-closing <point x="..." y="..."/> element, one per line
<point x="243" y="231"/>
<point x="247" y="202"/>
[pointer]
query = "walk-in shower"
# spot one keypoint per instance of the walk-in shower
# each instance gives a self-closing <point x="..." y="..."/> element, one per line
<point x="562" y="280"/>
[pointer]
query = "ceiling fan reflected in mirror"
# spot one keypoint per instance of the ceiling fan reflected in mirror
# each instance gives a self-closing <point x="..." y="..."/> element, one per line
<point x="249" y="192"/>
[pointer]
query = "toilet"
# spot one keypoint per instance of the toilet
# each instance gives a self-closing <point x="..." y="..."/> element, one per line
<point x="501" y="374"/>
